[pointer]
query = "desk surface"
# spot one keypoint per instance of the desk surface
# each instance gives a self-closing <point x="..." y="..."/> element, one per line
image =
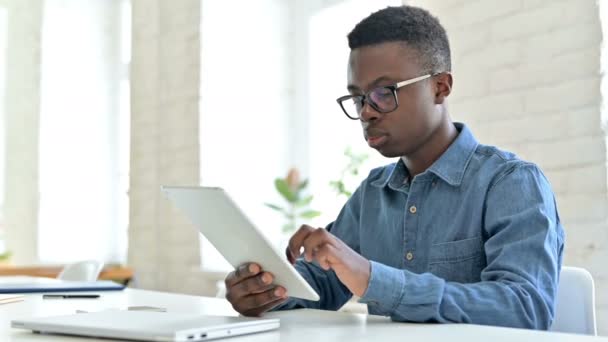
<point x="297" y="325"/>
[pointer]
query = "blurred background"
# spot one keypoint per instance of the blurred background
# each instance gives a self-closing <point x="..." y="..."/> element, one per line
<point x="104" y="101"/>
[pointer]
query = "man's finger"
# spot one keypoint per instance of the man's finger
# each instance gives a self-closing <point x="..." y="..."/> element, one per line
<point x="290" y="257"/>
<point x="325" y="255"/>
<point x="244" y="271"/>
<point x="314" y="241"/>
<point x="295" y="243"/>
<point x="257" y="312"/>
<point x="259" y="283"/>
<point x="255" y="301"/>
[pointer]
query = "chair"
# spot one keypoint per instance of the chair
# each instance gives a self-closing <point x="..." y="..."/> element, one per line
<point x="575" y="305"/>
<point x="81" y="271"/>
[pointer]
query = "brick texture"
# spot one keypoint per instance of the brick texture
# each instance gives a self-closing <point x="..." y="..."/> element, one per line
<point x="165" y="81"/>
<point x="527" y="78"/>
<point x="22" y="108"/>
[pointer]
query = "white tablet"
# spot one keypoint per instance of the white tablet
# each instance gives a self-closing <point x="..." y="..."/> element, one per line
<point x="221" y="221"/>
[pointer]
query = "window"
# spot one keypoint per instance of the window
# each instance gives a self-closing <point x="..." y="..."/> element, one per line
<point x="327" y="59"/>
<point x="254" y="86"/>
<point x="84" y="125"/>
<point x="245" y="98"/>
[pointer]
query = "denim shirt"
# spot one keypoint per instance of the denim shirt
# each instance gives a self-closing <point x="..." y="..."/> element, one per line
<point x="476" y="238"/>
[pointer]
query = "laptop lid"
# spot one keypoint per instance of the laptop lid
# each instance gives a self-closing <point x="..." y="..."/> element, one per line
<point x="147" y="325"/>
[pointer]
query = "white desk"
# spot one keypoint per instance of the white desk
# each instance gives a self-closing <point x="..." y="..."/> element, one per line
<point x="298" y="325"/>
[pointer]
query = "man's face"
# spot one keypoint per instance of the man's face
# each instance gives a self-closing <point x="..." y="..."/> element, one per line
<point x="406" y="129"/>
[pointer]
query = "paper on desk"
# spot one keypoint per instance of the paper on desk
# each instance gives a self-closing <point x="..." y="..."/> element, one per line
<point x="10" y="298"/>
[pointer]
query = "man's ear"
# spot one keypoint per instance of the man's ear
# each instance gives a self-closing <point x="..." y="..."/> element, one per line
<point x="443" y="87"/>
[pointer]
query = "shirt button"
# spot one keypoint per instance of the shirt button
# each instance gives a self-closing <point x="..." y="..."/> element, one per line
<point x="409" y="256"/>
<point x="413" y="209"/>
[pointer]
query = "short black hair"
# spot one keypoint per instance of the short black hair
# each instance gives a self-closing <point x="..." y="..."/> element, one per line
<point x="414" y="26"/>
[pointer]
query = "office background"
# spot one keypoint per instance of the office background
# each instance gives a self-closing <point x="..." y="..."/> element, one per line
<point x="103" y="101"/>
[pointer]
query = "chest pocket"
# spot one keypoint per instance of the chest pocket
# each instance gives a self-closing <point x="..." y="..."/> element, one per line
<point x="458" y="261"/>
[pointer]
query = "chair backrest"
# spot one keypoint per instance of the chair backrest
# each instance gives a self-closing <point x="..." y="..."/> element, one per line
<point x="81" y="271"/>
<point x="575" y="305"/>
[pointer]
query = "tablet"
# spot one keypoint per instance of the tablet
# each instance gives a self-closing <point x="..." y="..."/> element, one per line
<point x="221" y="221"/>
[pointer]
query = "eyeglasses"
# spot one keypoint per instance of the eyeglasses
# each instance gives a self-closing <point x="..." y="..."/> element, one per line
<point x="382" y="99"/>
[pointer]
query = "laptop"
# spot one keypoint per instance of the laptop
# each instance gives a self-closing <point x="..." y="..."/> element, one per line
<point x="147" y="325"/>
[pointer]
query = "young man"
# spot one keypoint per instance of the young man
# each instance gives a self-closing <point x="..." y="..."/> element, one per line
<point x="455" y="231"/>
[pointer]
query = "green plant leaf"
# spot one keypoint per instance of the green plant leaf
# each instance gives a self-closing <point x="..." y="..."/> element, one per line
<point x="303" y="202"/>
<point x="282" y="187"/>
<point x="303" y="184"/>
<point x="310" y="214"/>
<point x="275" y="207"/>
<point x="287" y="228"/>
<point x="348" y="151"/>
<point x="337" y="185"/>
<point x="5" y="256"/>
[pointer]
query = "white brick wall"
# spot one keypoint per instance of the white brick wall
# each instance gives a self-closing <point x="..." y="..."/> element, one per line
<point x="22" y="107"/>
<point x="527" y="78"/>
<point x="163" y="247"/>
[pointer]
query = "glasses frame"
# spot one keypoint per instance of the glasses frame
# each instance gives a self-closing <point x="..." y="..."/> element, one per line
<point x="364" y="98"/>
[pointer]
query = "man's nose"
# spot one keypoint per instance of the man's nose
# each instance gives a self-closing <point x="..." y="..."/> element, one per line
<point x="368" y="113"/>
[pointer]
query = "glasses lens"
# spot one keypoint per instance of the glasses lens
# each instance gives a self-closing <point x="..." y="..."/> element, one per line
<point x="383" y="98"/>
<point x="352" y="106"/>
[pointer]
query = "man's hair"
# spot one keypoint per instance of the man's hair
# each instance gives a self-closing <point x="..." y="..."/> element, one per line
<point x="413" y="26"/>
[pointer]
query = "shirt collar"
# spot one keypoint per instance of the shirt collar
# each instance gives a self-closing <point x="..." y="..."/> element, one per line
<point x="450" y="166"/>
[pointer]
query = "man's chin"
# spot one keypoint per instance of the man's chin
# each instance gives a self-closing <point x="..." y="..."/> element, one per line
<point x="388" y="152"/>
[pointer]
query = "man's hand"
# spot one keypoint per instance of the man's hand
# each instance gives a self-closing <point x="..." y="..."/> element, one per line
<point x="250" y="290"/>
<point x="352" y="269"/>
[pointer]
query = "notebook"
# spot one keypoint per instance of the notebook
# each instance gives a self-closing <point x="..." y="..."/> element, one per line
<point x="24" y="284"/>
<point x="147" y="325"/>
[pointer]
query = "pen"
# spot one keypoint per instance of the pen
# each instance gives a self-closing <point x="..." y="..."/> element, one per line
<point x="65" y="296"/>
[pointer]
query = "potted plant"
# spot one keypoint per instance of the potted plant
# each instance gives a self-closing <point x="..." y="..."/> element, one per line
<point x="297" y="206"/>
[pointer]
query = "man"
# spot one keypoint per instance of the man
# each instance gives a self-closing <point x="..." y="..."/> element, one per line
<point x="455" y="231"/>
